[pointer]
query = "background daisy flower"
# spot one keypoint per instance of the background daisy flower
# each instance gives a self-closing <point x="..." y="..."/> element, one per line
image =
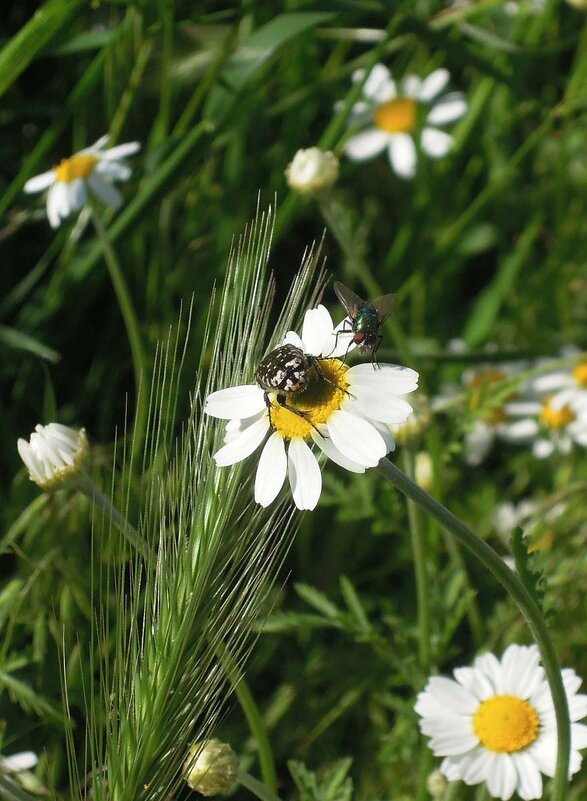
<point x="347" y="419"/>
<point x="55" y="454"/>
<point x="495" y="722"/>
<point x="397" y="116"/>
<point x="552" y="423"/>
<point x="91" y="169"/>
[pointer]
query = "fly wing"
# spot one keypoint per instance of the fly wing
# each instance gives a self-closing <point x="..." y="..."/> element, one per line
<point x="349" y="299"/>
<point x="385" y="305"/>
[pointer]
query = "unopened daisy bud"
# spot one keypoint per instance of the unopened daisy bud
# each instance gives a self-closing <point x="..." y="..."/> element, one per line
<point x="424" y="470"/>
<point x="55" y="454"/>
<point x="211" y="767"/>
<point x="436" y="784"/>
<point x="312" y="170"/>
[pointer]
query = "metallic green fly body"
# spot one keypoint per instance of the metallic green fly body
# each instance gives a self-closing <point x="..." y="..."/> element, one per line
<point x="365" y="318"/>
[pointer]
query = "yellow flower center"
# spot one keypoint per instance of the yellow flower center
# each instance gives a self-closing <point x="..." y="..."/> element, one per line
<point x="397" y="116"/>
<point x="317" y="401"/>
<point x="479" y="386"/>
<point x="580" y="373"/>
<point x="81" y="166"/>
<point x="506" y="724"/>
<point x="555" y="418"/>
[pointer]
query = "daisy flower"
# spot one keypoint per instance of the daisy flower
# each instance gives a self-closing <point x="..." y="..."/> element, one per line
<point x="91" y="169"/>
<point x="495" y="722"/>
<point x="344" y="412"/>
<point x="396" y="117"/>
<point x="552" y="424"/>
<point x="575" y="378"/>
<point x="54" y="455"/>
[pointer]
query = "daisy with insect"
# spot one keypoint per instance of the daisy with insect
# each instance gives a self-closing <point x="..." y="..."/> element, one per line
<point x="305" y="393"/>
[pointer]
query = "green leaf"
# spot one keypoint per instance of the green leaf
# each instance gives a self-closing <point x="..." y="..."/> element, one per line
<point x="12" y="338"/>
<point x="318" y="600"/>
<point x="490" y="301"/>
<point x="526" y="565"/>
<point x="332" y="784"/>
<point x="354" y="604"/>
<point x="45" y="24"/>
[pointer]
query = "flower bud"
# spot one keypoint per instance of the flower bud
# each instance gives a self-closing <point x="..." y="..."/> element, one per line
<point x="424" y="470"/>
<point x="436" y="784"/>
<point x="312" y="170"/>
<point x="55" y="454"/>
<point x="211" y="767"/>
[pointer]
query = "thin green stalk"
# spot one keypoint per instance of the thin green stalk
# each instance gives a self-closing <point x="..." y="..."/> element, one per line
<point x="259" y="732"/>
<point x="525" y="602"/>
<point x="256" y="787"/>
<point x="419" y="554"/>
<point x="85" y="484"/>
<point x="132" y="330"/>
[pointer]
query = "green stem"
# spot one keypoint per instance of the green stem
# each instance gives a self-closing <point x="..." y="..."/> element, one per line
<point x="525" y="602"/>
<point x="253" y="716"/>
<point x="85" y="484"/>
<point x="256" y="787"/>
<point x="132" y="330"/>
<point x="419" y="553"/>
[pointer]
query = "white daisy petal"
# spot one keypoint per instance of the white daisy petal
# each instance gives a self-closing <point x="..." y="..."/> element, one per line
<point x="433" y="84"/>
<point x="447" y="109"/>
<point x="366" y="144"/>
<point x="329" y="449"/>
<point x="25" y="760"/>
<point x="411" y="86"/>
<point x="451" y="694"/>
<point x="40" y="182"/>
<point x="356" y="438"/>
<point x="121" y="151"/>
<point x="235" y="402"/>
<point x="392" y="379"/>
<point x="579" y="735"/>
<point x="551" y="381"/>
<point x="491" y="667"/>
<point x="379" y="86"/>
<point x="475" y="682"/>
<point x="291" y="338"/>
<point x="436" y="143"/>
<point x="105" y="191"/>
<point x="377" y="406"/>
<point x="529" y="778"/>
<point x="543" y="448"/>
<point x="243" y="445"/>
<point x="316" y="330"/>
<point x="520" y="431"/>
<point x="57" y="204"/>
<point x="305" y="478"/>
<point x="271" y="470"/>
<point x="502" y="777"/>
<point x="402" y="155"/>
<point x="478" y="442"/>
<point x="78" y="194"/>
<point x="340" y="341"/>
<point x="98" y="146"/>
<point x="114" y="169"/>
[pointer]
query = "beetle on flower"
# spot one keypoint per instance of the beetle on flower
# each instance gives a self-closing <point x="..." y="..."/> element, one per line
<point x="343" y="410"/>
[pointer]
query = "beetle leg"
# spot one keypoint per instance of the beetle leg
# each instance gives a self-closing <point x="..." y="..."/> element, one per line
<point x="282" y="400"/>
<point x="320" y="373"/>
<point x="343" y="330"/>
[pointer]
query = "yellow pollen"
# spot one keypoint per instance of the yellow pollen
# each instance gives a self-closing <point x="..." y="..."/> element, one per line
<point x="580" y="373"/>
<point x="555" y="418"/>
<point x="81" y="166"/>
<point x="506" y="724"/>
<point x="397" y="116"/>
<point x="318" y="401"/>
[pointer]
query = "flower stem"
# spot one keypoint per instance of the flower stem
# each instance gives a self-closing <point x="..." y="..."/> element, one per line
<point x="259" y="732"/>
<point x="132" y="331"/>
<point x="525" y="602"/>
<point x="256" y="787"/>
<point x="419" y="553"/>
